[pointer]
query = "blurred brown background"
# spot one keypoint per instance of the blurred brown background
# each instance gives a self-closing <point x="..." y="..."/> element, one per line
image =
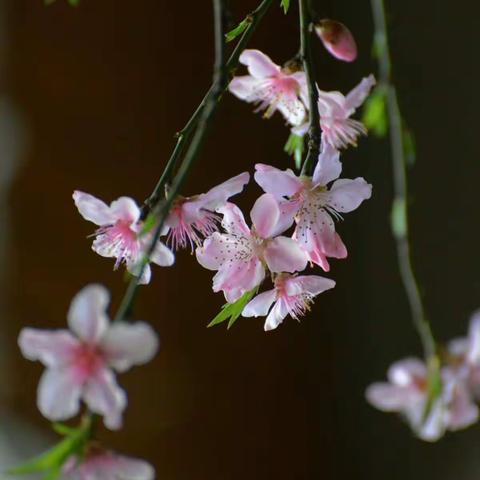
<point x="90" y="99"/>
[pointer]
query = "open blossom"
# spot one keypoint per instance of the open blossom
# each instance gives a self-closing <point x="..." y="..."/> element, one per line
<point x="407" y="393"/>
<point x="194" y="218"/>
<point x="292" y="296"/>
<point x="337" y="39"/>
<point x="100" y="464"/>
<point x="80" y="363"/>
<point x="312" y="203"/>
<point x="335" y="109"/>
<point x="272" y="87"/>
<point x="241" y="254"/>
<point x="120" y="234"/>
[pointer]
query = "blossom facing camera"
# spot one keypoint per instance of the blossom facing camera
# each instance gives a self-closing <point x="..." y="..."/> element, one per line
<point x="241" y="254"/>
<point x="120" y="233"/>
<point x="292" y="295"/>
<point x="313" y="204"/>
<point x="194" y="218"/>
<point x="271" y="87"/>
<point x="80" y="362"/>
<point x="337" y="39"/>
<point x="98" y="464"/>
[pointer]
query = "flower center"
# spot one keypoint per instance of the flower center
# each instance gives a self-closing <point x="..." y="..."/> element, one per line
<point x="87" y="361"/>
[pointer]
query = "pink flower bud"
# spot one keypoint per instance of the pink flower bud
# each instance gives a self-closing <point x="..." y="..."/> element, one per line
<point x="337" y="39"/>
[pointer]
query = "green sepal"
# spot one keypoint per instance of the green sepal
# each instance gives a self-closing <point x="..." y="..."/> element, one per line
<point x="295" y="147"/>
<point x="285" y="4"/>
<point x="231" y="311"/>
<point x="375" y="113"/>
<point x="238" y="30"/>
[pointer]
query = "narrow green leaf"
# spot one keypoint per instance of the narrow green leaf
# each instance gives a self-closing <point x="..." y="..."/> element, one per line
<point x="65" y="430"/>
<point x="295" y="147"/>
<point x="285" y="4"/>
<point x="231" y="311"/>
<point x="399" y="218"/>
<point x="375" y="113"/>
<point x="238" y="30"/>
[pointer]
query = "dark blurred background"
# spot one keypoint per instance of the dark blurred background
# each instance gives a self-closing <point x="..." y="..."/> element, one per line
<point x="90" y="98"/>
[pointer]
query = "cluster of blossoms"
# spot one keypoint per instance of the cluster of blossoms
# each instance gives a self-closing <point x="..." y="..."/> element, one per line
<point x="292" y="228"/>
<point x="431" y="413"/>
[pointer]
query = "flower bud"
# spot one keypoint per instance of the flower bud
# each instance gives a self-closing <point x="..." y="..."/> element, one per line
<point x="337" y="39"/>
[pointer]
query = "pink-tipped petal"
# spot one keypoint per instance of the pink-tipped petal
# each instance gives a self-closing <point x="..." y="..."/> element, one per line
<point x="53" y="348"/>
<point x="103" y="396"/>
<point x="246" y="88"/>
<point x="259" y="65"/>
<point x="260" y="305"/>
<point x="128" y="344"/>
<point x="217" y="196"/>
<point x="276" y="316"/>
<point x="233" y="221"/>
<point x="346" y="195"/>
<point x="337" y="39"/>
<point x="357" y="96"/>
<point x="310" y="284"/>
<point x="328" y="167"/>
<point x="126" y="209"/>
<point x="58" y="395"/>
<point x="93" y="209"/>
<point x="277" y="182"/>
<point x="265" y="214"/>
<point x="283" y="254"/>
<point x="215" y="250"/>
<point x="87" y="316"/>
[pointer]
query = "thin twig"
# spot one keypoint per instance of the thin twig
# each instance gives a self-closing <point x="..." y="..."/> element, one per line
<point x="400" y="204"/>
<point x="314" y="131"/>
<point x="184" y="135"/>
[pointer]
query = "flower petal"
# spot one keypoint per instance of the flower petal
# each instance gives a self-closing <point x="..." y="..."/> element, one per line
<point x="276" y="316"/>
<point x="328" y="167"/>
<point x="87" y="316"/>
<point x="125" y="209"/>
<point x="358" y="95"/>
<point x="277" y="182"/>
<point x="265" y="214"/>
<point x="283" y="254"/>
<point x="162" y="255"/>
<point x="474" y="339"/>
<point x="103" y="396"/>
<point x="51" y="347"/>
<point x="128" y="468"/>
<point x="310" y="284"/>
<point x="404" y="371"/>
<point x="260" y="305"/>
<point x="233" y="221"/>
<point x="217" y="196"/>
<point x="246" y="88"/>
<point x="390" y="398"/>
<point x="128" y="344"/>
<point x="58" y="395"/>
<point x="259" y="65"/>
<point x="93" y="209"/>
<point x="347" y="195"/>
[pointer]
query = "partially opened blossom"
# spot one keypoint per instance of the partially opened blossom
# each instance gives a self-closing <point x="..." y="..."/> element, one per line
<point x="338" y="129"/>
<point x="100" y="464"/>
<point x="337" y="39"/>
<point x="241" y="255"/>
<point x="313" y="204"/>
<point x="407" y="393"/>
<point x="80" y="362"/>
<point x="271" y="87"/>
<point x="292" y="295"/>
<point x="194" y="218"/>
<point x="120" y="234"/>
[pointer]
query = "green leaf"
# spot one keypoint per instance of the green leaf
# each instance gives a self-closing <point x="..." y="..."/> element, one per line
<point x="375" y="113"/>
<point x="231" y="311"/>
<point x="64" y="430"/>
<point x="399" y="218"/>
<point x="295" y="146"/>
<point x="285" y="4"/>
<point x="238" y="30"/>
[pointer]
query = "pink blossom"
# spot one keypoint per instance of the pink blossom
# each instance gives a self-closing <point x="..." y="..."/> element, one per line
<point x="80" y="362"/>
<point x="120" y="234"/>
<point x="335" y="109"/>
<point x="194" y="218"/>
<point x="292" y="295"/>
<point x="100" y="464"/>
<point x="241" y="254"/>
<point x="272" y="87"/>
<point x="313" y="204"/>
<point x="407" y="393"/>
<point x="337" y="39"/>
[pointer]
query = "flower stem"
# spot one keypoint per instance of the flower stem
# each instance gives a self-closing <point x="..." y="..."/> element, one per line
<point x="400" y="207"/>
<point x="314" y="132"/>
<point x="220" y="81"/>
<point x="184" y="135"/>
